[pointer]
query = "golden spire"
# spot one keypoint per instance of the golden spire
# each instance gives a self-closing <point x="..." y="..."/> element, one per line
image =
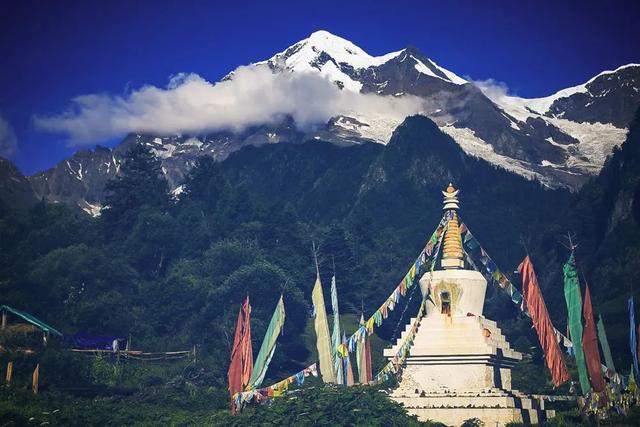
<point x="452" y="254"/>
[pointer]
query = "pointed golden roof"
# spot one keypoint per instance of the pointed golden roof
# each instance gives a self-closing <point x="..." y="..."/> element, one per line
<point x="452" y="253"/>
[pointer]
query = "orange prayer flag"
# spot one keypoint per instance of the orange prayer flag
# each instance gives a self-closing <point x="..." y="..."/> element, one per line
<point x="541" y="321"/>
<point x="241" y="353"/>
<point x="36" y="379"/>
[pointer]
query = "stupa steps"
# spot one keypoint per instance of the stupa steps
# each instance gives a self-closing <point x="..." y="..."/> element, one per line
<point x="446" y="392"/>
<point x="462" y="353"/>
<point x="437" y="334"/>
<point x="478" y="401"/>
<point x="489" y="416"/>
<point x="438" y="321"/>
<point x="450" y="335"/>
<point x="459" y="344"/>
<point x="464" y="356"/>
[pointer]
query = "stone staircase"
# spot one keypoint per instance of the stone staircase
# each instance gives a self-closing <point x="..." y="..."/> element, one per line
<point x="459" y="368"/>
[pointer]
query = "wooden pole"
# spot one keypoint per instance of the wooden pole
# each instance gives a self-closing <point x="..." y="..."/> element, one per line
<point x="4" y="320"/>
<point x="9" y="372"/>
<point x="35" y="379"/>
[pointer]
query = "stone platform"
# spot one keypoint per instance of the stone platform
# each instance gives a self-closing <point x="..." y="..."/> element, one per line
<point x="458" y="368"/>
<point x="493" y="407"/>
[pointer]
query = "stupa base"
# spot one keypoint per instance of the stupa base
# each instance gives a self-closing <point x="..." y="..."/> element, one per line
<point x="493" y="408"/>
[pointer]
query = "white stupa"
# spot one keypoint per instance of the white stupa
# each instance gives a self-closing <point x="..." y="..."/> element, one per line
<point x="459" y="366"/>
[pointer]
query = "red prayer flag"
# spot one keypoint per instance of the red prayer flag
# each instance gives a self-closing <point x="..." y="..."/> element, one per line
<point x="246" y="347"/>
<point x="242" y="352"/>
<point x="234" y="374"/>
<point x="541" y="321"/>
<point x="367" y="352"/>
<point x="590" y="344"/>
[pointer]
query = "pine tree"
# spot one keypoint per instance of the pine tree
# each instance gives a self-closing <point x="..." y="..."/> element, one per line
<point x="205" y="183"/>
<point x="140" y="184"/>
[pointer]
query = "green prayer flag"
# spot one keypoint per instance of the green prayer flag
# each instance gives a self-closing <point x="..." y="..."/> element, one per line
<point x="323" y="341"/>
<point x="574" y="308"/>
<point x="360" y="351"/>
<point x="268" y="346"/>
<point x="604" y="344"/>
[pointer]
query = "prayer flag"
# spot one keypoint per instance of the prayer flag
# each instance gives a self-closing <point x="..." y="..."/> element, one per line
<point x="363" y="358"/>
<point x="9" y="372"/>
<point x="590" y="342"/>
<point x="268" y="346"/>
<point x="604" y="344"/>
<point x="335" y="335"/>
<point x="346" y="362"/>
<point x="241" y="365"/>
<point x="574" y="308"/>
<point x="246" y="347"/>
<point x="323" y="341"/>
<point x="632" y="336"/>
<point x="35" y="381"/>
<point x="542" y="323"/>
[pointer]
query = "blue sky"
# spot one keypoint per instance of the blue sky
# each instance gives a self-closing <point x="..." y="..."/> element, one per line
<point x="54" y="51"/>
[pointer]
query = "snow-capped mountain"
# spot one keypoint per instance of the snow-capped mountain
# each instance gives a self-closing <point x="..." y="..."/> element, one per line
<point x="348" y="65"/>
<point x="560" y="139"/>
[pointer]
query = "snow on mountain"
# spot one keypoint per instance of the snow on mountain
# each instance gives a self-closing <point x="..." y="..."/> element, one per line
<point x="303" y="54"/>
<point x="560" y="139"/>
<point x="522" y="108"/>
<point x="598" y="133"/>
<point x="341" y="61"/>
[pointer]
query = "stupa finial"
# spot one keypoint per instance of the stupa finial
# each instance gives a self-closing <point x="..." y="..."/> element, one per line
<point x="452" y="254"/>
<point x="450" y="198"/>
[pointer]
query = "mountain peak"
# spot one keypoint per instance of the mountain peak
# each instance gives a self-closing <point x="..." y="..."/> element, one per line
<point x="307" y="53"/>
<point x="323" y="36"/>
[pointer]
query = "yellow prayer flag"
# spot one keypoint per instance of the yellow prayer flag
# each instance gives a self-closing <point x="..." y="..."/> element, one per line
<point x="9" y="372"/>
<point x="369" y="325"/>
<point x="323" y="340"/>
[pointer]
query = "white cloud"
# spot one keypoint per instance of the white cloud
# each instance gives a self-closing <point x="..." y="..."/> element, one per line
<point x="190" y="104"/>
<point x="492" y="89"/>
<point x="8" y="140"/>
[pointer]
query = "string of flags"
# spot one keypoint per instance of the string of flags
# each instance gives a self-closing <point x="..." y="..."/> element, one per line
<point x="491" y="270"/>
<point x="408" y="281"/>
<point x="396" y="362"/>
<point x="261" y="395"/>
<point x="278" y="389"/>
<point x="497" y="277"/>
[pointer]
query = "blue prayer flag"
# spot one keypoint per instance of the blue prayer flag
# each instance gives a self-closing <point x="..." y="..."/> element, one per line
<point x="632" y="336"/>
